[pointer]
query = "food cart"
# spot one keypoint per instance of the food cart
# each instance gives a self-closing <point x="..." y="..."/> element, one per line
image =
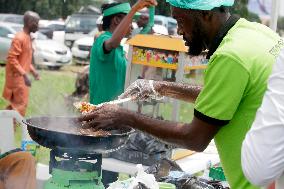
<point x="162" y="58"/>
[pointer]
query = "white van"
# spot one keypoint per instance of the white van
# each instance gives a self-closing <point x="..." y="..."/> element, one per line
<point x="168" y="22"/>
<point x="78" y="26"/>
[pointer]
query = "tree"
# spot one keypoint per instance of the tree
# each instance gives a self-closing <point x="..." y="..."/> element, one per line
<point x="163" y="7"/>
<point x="50" y="9"/>
<point x="47" y="9"/>
<point x="240" y="8"/>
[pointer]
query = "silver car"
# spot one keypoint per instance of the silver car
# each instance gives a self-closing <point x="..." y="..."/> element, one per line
<point x="46" y="52"/>
<point x="50" y="53"/>
<point x="82" y="47"/>
<point x="12" y="18"/>
<point x="7" y="33"/>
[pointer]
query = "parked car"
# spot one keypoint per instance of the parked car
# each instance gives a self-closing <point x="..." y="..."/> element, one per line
<point x="159" y="29"/>
<point x="81" y="48"/>
<point x="50" y="53"/>
<point x="161" y="20"/>
<point x="78" y="26"/>
<point x="172" y="26"/>
<point x="172" y="23"/>
<point x="55" y="29"/>
<point x="46" y="52"/>
<point x="48" y="32"/>
<point x="55" y="25"/>
<point x="7" y="33"/>
<point x="12" y="18"/>
<point x="168" y="22"/>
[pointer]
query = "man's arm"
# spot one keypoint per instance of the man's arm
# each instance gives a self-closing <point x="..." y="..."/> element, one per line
<point x="211" y="113"/>
<point x="194" y="136"/>
<point x="181" y="91"/>
<point x="13" y="55"/>
<point x="32" y="69"/>
<point x="142" y="89"/>
<point x="34" y="72"/>
<point x="263" y="147"/>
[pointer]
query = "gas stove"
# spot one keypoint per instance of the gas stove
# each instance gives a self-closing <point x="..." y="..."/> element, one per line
<point x="71" y="169"/>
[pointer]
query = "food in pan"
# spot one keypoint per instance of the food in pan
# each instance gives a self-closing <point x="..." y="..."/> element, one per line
<point x="84" y="107"/>
<point x="93" y="132"/>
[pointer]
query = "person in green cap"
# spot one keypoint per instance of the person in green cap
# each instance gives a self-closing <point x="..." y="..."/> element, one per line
<point x="108" y="61"/>
<point x="241" y="55"/>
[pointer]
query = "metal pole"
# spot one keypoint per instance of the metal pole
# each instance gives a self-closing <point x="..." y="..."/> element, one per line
<point x="274" y="14"/>
<point x="179" y="79"/>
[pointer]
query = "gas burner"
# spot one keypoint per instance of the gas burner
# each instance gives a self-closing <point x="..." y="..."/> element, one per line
<point x="73" y="169"/>
<point x="71" y="160"/>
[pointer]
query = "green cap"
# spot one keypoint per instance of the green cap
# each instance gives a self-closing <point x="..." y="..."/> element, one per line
<point x="121" y="8"/>
<point x="200" y="4"/>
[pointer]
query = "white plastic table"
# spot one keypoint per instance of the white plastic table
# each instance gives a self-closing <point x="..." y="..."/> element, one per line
<point x="191" y="164"/>
<point x="7" y="129"/>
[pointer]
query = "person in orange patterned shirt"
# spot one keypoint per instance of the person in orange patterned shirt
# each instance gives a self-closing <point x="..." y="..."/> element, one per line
<point x="19" y="65"/>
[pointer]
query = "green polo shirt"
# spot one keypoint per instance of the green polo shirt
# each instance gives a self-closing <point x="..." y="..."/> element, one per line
<point x="107" y="71"/>
<point x="234" y="84"/>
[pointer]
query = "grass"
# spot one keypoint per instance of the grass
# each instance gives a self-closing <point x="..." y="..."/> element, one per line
<point x="46" y="98"/>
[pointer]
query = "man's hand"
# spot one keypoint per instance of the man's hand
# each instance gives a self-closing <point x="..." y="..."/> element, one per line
<point x="140" y="4"/>
<point x="141" y="89"/>
<point x="36" y="76"/>
<point x="105" y="117"/>
<point x="27" y="80"/>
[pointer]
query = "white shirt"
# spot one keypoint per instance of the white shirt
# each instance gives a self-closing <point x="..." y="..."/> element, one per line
<point x="263" y="147"/>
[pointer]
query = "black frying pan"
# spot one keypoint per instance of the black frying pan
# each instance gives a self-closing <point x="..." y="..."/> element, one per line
<point x="63" y="133"/>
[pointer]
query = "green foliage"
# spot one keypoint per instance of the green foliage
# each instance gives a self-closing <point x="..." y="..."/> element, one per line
<point x="163" y="7"/>
<point x="50" y="9"/>
<point x="3" y="104"/>
<point x="47" y="9"/>
<point x="46" y="97"/>
<point x="240" y="8"/>
<point x="281" y="23"/>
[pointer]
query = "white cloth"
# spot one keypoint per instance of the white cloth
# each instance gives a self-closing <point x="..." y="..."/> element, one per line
<point x="99" y="20"/>
<point x="263" y="147"/>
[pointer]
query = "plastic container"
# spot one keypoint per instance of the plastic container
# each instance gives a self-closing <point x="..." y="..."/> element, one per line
<point x="163" y="185"/>
<point x="217" y="173"/>
<point x="30" y="146"/>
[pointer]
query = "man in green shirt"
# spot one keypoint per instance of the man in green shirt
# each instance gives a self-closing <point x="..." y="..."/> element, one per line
<point x="241" y="55"/>
<point x="108" y="61"/>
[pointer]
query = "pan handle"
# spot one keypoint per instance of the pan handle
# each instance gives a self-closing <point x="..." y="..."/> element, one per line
<point x="13" y="115"/>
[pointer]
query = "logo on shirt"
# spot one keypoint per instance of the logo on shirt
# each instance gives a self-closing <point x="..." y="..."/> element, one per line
<point x="276" y="49"/>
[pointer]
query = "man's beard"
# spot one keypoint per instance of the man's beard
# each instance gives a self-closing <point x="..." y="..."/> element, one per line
<point x="196" y="46"/>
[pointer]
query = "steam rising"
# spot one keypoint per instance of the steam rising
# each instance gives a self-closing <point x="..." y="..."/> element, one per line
<point x="49" y="101"/>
